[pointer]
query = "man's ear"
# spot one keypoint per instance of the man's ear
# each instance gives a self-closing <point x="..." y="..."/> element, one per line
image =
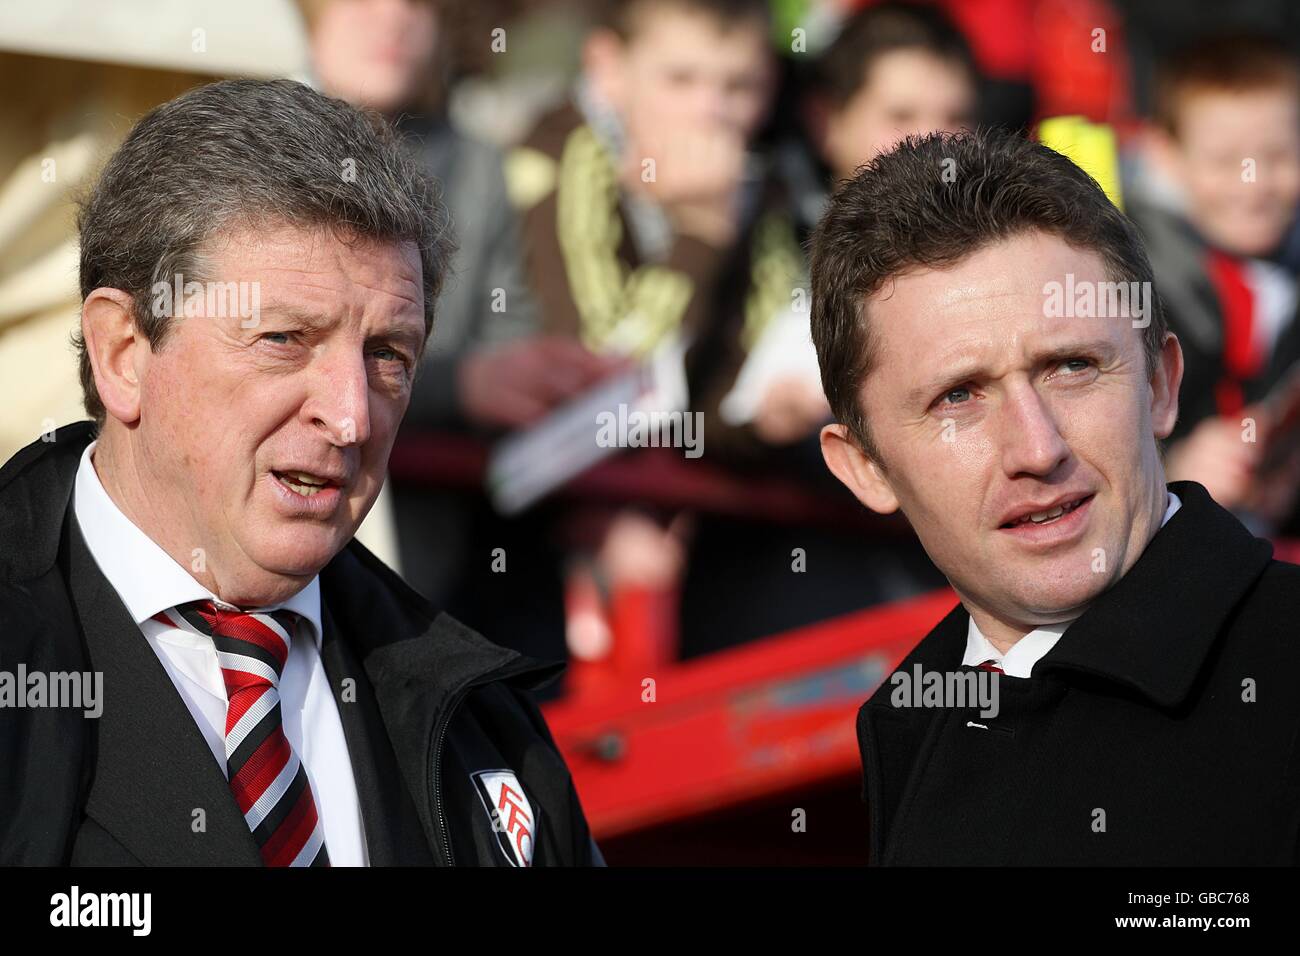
<point x="113" y="344"/>
<point x="860" y="474"/>
<point x="1164" y="387"/>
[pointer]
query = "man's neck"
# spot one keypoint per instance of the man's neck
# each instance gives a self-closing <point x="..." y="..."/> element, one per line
<point x="1003" y="634"/>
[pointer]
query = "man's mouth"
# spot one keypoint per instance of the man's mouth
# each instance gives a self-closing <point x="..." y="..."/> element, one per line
<point x="1049" y="516"/>
<point x="303" y="482"/>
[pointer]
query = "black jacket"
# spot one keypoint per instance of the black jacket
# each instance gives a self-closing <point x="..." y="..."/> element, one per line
<point x="1133" y="743"/>
<point x="425" y="704"/>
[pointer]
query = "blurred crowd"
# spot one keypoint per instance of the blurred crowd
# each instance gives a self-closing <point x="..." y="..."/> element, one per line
<point x="623" y="175"/>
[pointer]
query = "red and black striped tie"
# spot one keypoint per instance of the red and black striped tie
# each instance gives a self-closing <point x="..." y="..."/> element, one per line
<point x="266" y="777"/>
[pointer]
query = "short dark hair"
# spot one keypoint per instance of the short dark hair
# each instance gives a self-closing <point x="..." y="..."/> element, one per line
<point x="1235" y="63"/>
<point x="900" y="212"/>
<point x="622" y="16"/>
<point x="884" y="28"/>
<point x="248" y="152"/>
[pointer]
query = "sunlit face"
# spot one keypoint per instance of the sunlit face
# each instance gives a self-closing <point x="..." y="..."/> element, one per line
<point x="317" y="384"/>
<point x="905" y="92"/>
<point x="1238" y="158"/>
<point x="983" y="408"/>
<point x="375" y="53"/>
<point x="682" y="69"/>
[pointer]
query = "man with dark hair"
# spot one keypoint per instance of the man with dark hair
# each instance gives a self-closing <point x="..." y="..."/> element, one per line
<point x="1001" y="371"/>
<point x="259" y="266"/>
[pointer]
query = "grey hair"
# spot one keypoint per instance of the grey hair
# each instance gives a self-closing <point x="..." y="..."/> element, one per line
<point x="248" y="152"/>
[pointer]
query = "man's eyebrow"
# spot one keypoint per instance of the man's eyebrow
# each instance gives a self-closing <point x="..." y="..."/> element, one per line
<point x="970" y="371"/>
<point x="404" y="332"/>
<point x="299" y="316"/>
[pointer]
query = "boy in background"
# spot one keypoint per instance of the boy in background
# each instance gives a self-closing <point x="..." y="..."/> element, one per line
<point x="635" y="193"/>
<point x="1228" y="143"/>
<point x="647" y="216"/>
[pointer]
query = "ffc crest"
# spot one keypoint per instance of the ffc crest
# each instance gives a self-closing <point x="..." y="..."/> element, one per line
<point x="513" y="821"/>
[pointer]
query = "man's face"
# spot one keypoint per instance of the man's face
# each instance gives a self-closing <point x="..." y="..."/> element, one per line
<point x="683" y="70"/>
<point x="318" y="384"/>
<point x="375" y="53"/>
<point x="983" y="410"/>
<point x="906" y="92"/>
<point x="1238" y="158"/>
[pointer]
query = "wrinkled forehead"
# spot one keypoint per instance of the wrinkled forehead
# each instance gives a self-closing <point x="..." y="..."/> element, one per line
<point x="317" y="270"/>
<point x="1009" y="303"/>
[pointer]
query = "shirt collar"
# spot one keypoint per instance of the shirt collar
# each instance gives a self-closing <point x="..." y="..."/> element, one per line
<point x="1020" y="658"/>
<point x="146" y="577"/>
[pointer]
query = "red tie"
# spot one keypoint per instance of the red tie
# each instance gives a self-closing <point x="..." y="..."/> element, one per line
<point x="267" y="779"/>
<point x="990" y="666"/>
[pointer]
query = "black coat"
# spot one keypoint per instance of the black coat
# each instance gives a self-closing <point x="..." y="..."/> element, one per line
<point x="424" y="702"/>
<point x="1131" y="744"/>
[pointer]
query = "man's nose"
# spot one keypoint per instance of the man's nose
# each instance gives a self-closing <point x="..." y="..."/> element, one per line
<point x="1031" y="438"/>
<point x="340" y="401"/>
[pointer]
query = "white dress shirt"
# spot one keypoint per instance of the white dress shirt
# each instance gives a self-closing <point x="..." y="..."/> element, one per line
<point x="149" y="580"/>
<point x="1020" y="658"/>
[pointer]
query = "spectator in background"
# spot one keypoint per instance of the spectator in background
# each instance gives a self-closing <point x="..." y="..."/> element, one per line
<point x="895" y="69"/>
<point x="647" y="217"/>
<point x="636" y="191"/>
<point x="486" y="367"/>
<point x="1228" y="143"/>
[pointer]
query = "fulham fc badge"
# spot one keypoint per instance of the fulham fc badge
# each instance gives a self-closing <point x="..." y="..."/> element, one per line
<point x="510" y="813"/>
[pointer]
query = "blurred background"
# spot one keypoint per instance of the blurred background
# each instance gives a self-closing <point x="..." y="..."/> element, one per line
<point x="633" y="185"/>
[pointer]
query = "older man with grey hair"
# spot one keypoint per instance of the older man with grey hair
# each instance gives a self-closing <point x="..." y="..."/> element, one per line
<point x="259" y="266"/>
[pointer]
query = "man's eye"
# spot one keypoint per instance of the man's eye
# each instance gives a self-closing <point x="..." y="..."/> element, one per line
<point x="390" y="355"/>
<point x="1080" y="361"/>
<point x="283" y="335"/>
<point x="944" y="399"/>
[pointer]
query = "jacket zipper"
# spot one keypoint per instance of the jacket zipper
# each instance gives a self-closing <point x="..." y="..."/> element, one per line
<point x="436" y="773"/>
<point x="440" y="736"/>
